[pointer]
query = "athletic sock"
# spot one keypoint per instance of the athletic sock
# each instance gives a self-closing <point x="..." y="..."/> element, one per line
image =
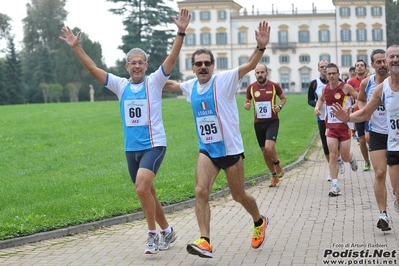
<point x="259" y="222"/>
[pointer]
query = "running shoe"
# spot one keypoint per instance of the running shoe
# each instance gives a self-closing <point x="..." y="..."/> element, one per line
<point x="279" y="170"/>
<point x="353" y="163"/>
<point x="395" y="206"/>
<point x="274" y="181"/>
<point x="383" y="222"/>
<point x="151" y="246"/>
<point x="260" y="233"/>
<point x="200" y="247"/>
<point x="341" y="165"/>
<point x="167" y="239"/>
<point x="329" y="177"/>
<point x="335" y="191"/>
<point x="366" y="167"/>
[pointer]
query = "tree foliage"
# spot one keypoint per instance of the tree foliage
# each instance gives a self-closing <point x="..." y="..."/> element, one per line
<point x="5" y="27"/>
<point x="3" y="91"/>
<point x="146" y="23"/>
<point x="47" y="70"/>
<point x="13" y="82"/>
<point x="392" y="21"/>
<point x="70" y="70"/>
<point x="43" y="23"/>
<point x="42" y="26"/>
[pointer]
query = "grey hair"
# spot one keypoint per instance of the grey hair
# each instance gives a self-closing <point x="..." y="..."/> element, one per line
<point x="136" y="51"/>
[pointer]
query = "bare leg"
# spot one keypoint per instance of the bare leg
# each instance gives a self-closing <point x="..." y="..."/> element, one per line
<point x="345" y="150"/>
<point x="364" y="149"/>
<point x="146" y="192"/>
<point x="268" y="160"/>
<point x="206" y="173"/>
<point x="327" y="157"/>
<point x="235" y="179"/>
<point x="378" y="160"/>
<point x="270" y="148"/>
<point x="332" y="163"/>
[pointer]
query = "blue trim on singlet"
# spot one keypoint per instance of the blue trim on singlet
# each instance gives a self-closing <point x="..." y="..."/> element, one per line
<point x="215" y="149"/>
<point x="136" y="138"/>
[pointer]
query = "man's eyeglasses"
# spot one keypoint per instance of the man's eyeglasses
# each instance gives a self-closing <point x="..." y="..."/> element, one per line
<point x="199" y="63"/>
<point x="323" y="67"/>
<point x="332" y="73"/>
<point x="134" y="63"/>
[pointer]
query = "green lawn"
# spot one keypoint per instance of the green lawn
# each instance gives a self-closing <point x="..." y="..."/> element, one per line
<point x="63" y="164"/>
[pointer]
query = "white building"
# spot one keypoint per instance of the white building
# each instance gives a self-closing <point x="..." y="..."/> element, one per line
<point x="298" y="41"/>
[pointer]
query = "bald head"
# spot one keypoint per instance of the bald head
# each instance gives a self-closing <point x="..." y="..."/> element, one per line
<point x="261" y="73"/>
<point x="261" y="67"/>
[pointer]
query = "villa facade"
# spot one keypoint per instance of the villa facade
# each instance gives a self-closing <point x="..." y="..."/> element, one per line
<point x="298" y="41"/>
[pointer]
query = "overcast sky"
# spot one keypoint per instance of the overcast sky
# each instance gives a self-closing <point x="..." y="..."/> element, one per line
<point x="93" y="18"/>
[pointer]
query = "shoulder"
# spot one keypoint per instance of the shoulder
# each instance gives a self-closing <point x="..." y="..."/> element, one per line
<point x="352" y="81"/>
<point x="313" y="84"/>
<point x="346" y="86"/>
<point x="113" y="79"/>
<point x="275" y="84"/>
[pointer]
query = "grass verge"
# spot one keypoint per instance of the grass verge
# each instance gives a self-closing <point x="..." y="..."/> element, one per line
<point x="63" y="164"/>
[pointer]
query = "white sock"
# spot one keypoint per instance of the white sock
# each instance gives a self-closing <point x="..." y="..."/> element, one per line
<point x="335" y="181"/>
<point x="153" y="231"/>
<point x="167" y="230"/>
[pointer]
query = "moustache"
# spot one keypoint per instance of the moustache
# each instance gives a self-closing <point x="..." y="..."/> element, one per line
<point x="203" y="71"/>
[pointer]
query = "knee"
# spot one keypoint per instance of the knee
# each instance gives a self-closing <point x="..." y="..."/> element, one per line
<point x="362" y="140"/>
<point x="333" y="156"/>
<point x="239" y="194"/>
<point x="269" y="149"/>
<point x="380" y="176"/>
<point x="201" y="192"/>
<point x="142" y="191"/>
<point x="238" y="197"/>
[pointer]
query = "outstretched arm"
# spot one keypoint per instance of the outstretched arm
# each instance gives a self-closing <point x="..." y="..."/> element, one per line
<point x="181" y="23"/>
<point x="363" y="114"/>
<point x="73" y="41"/>
<point x="172" y="85"/>
<point x="262" y="38"/>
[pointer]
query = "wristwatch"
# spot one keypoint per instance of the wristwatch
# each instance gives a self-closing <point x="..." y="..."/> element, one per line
<point x="281" y="106"/>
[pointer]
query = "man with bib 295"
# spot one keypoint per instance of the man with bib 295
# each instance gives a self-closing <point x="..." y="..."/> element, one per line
<point x="213" y="101"/>
<point x="263" y="93"/>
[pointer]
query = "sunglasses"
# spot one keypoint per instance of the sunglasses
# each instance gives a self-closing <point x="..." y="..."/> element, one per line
<point x="206" y="63"/>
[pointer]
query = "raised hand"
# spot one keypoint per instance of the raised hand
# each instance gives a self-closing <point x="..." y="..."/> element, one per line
<point x="183" y="20"/>
<point x="71" y="39"/>
<point x="340" y="113"/>
<point x="262" y="35"/>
